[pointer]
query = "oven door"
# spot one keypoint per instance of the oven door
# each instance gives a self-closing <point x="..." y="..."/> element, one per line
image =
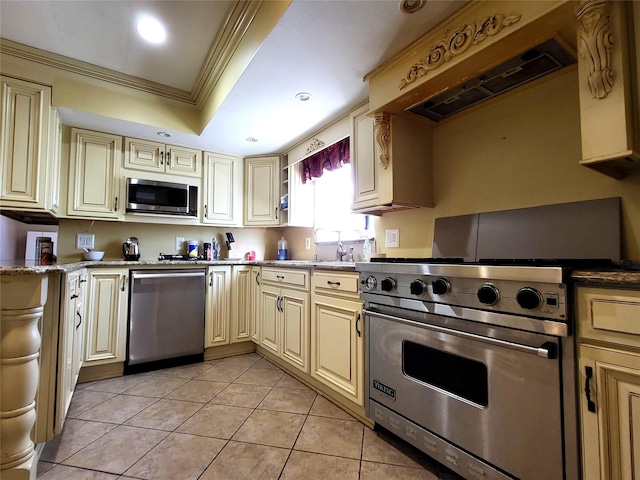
<point x="482" y="388"/>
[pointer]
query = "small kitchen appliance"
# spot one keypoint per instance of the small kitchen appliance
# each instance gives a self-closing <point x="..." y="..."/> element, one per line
<point x="131" y="249"/>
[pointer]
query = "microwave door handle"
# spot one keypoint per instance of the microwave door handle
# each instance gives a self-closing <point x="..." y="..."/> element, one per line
<point x="547" y="350"/>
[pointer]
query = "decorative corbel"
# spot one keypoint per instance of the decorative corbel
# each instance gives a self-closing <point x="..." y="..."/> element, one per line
<point x="595" y="45"/>
<point x="314" y="145"/>
<point x="382" y="135"/>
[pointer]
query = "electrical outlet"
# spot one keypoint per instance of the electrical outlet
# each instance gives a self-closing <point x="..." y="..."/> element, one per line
<point x="85" y="240"/>
<point x="307" y="243"/>
<point x="392" y="238"/>
<point x="179" y="242"/>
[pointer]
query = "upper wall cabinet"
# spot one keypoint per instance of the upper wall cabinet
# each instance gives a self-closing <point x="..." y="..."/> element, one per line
<point x="609" y="103"/>
<point x="222" y="195"/>
<point x="25" y="143"/>
<point x="94" y="175"/>
<point x="160" y="158"/>
<point x="262" y="187"/>
<point x="391" y="163"/>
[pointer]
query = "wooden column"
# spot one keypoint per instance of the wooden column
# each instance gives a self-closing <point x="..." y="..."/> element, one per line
<point x="22" y="299"/>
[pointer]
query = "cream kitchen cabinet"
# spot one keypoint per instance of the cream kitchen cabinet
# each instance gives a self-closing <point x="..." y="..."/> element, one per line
<point x="242" y="301"/>
<point x="262" y="188"/>
<point x="157" y="157"/>
<point x="94" y="175"/>
<point x="337" y="342"/>
<point x="55" y="147"/>
<point x="255" y="304"/>
<point x="106" y="316"/>
<point x="609" y="373"/>
<point x="222" y="197"/>
<point x="284" y="323"/>
<point x="391" y="162"/>
<point x="218" y="306"/>
<point x="609" y="86"/>
<point x="70" y="345"/>
<point x="26" y="175"/>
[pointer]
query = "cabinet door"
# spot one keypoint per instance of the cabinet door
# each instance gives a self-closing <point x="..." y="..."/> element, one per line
<point x="255" y="304"/>
<point x="611" y="434"/>
<point x="269" y="330"/>
<point x="94" y="180"/>
<point x="143" y="155"/>
<point x="217" y="317"/>
<point x="24" y="137"/>
<point x="242" y="303"/>
<point x="106" y="326"/>
<point x="262" y="184"/>
<point x="294" y="311"/>
<point x="337" y="345"/>
<point x="183" y="161"/>
<point x="223" y="190"/>
<point x="363" y="165"/>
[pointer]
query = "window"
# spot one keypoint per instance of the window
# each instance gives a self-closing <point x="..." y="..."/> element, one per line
<point x="333" y="198"/>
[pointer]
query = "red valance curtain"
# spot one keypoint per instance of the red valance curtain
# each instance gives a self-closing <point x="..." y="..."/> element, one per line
<point x="329" y="158"/>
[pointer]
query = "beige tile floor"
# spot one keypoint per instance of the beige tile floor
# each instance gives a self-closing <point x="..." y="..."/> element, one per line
<point x="236" y="418"/>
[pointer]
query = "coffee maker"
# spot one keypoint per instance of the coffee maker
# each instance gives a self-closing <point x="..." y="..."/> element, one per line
<point x="131" y="249"/>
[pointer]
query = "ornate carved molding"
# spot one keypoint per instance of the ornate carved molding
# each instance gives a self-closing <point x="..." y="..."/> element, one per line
<point x="595" y="45"/>
<point x="382" y="135"/>
<point x="411" y="6"/>
<point x="314" y="145"/>
<point x="456" y="43"/>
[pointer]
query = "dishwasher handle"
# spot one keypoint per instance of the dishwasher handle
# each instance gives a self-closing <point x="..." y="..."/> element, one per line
<point x="137" y="275"/>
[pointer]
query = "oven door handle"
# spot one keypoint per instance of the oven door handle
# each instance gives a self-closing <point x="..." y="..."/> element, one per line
<point x="547" y="350"/>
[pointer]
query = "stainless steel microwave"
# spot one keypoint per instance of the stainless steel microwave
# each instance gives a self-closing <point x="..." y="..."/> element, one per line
<point x="150" y="196"/>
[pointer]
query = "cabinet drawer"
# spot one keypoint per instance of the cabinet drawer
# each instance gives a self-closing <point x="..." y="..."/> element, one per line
<point x="609" y="315"/>
<point x="338" y="282"/>
<point x="286" y="276"/>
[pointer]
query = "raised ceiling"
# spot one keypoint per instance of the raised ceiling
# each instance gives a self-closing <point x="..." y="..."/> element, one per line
<point x="321" y="47"/>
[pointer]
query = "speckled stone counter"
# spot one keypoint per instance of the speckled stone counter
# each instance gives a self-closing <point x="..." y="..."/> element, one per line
<point x="609" y="278"/>
<point x="27" y="268"/>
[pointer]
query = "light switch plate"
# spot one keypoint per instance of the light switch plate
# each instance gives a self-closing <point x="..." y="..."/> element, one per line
<point x="392" y="238"/>
<point x="179" y="243"/>
<point x="307" y="243"/>
<point x="85" y="240"/>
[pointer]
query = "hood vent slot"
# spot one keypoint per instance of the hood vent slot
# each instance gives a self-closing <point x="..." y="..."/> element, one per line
<point x="535" y="63"/>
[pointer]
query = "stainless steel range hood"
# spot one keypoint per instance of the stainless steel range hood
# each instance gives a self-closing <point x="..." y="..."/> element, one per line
<point x="531" y="65"/>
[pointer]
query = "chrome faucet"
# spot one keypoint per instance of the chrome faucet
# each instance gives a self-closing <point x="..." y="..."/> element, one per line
<point x="341" y="252"/>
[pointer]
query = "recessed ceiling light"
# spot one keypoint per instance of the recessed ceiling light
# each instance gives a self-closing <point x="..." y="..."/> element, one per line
<point x="151" y="30"/>
<point x="252" y="139"/>
<point x="303" y="96"/>
<point x="164" y="134"/>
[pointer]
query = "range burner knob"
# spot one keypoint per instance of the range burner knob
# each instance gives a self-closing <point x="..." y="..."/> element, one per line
<point x="417" y="287"/>
<point x="388" y="284"/>
<point x="488" y="294"/>
<point x="529" y="298"/>
<point x="441" y="286"/>
<point x="370" y="282"/>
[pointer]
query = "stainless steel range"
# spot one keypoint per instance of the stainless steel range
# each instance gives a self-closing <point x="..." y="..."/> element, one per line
<point x="474" y="365"/>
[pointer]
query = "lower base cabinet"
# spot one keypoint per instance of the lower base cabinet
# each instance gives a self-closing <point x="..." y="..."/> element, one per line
<point x="218" y="306"/>
<point x="337" y="341"/>
<point x="106" y="325"/>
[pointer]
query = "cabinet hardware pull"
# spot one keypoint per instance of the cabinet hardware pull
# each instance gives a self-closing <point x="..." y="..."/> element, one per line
<point x="280" y="277"/>
<point x="83" y="280"/>
<point x="279" y="303"/>
<point x="257" y="278"/>
<point x="591" y="406"/>
<point x="168" y="159"/>
<point x="205" y="211"/>
<point x="337" y="284"/>
<point x="161" y="158"/>
<point x="75" y="295"/>
<point x="276" y="213"/>
<point x="211" y="279"/>
<point x="357" y="324"/>
<point x="80" y="321"/>
<point x="124" y="280"/>
<point x="115" y="208"/>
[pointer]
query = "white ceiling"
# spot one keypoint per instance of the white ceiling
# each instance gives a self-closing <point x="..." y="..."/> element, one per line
<point x="323" y="47"/>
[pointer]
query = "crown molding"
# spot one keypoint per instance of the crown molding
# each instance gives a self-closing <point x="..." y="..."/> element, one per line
<point x="76" y="67"/>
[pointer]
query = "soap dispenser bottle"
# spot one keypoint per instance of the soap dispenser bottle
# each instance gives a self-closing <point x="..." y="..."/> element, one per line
<point x="283" y="253"/>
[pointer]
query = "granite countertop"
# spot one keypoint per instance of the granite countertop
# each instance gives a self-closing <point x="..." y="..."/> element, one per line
<point x="22" y="267"/>
<point x="604" y="278"/>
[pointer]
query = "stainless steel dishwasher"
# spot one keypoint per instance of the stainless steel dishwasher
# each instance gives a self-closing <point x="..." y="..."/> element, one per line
<point x="166" y="314"/>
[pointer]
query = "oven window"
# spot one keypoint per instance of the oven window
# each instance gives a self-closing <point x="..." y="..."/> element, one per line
<point x="458" y="375"/>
